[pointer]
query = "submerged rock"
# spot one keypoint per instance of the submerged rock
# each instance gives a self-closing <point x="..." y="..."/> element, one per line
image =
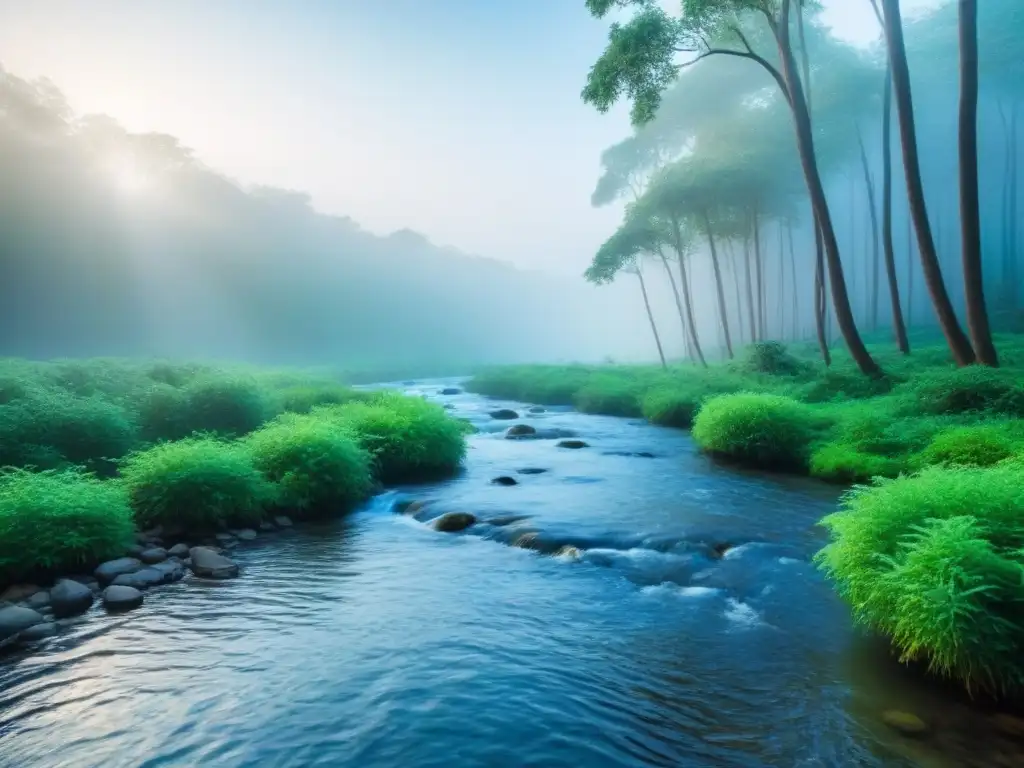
<point x="504" y="414"/>
<point x="121" y="598"/>
<point x="453" y="522"/>
<point x="266" y="526"/>
<point x="504" y="480"/>
<point x="451" y="391"/>
<point x="111" y="569"/>
<point x="631" y="454"/>
<point x="531" y="471"/>
<point x="282" y="521"/>
<point x="246" y="534"/>
<point x="225" y="538"/>
<point x="528" y="540"/>
<point x="520" y="431"/>
<point x="569" y="552"/>
<point x="38" y="632"/>
<point x="153" y="555"/>
<point x="536" y="409"/>
<point x="70" y="598"/>
<point x="14" y="620"/>
<point x="210" y="565"/>
<point x="905" y="722"/>
<point x="500" y="522"/>
<point x="573" y="444"/>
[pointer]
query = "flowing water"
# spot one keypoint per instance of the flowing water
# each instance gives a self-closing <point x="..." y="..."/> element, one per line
<point x="377" y="641"/>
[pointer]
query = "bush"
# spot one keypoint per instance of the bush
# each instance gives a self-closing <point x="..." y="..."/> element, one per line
<point x="408" y="438"/>
<point x="163" y="413"/>
<point x="758" y="429"/>
<point x="303" y="398"/>
<point x="317" y="465"/>
<point x="979" y="445"/>
<point x="772" y="358"/>
<point x="58" y="521"/>
<point x="839" y="463"/>
<point x="226" y="405"/>
<point x="972" y="389"/>
<point x="609" y="395"/>
<point x="197" y="484"/>
<point x="934" y="562"/>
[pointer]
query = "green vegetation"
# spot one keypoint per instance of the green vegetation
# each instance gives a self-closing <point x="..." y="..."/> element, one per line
<point x="98" y="447"/>
<point x="59" y="520"/>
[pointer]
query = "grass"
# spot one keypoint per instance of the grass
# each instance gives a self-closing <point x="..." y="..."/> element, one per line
<point x="929" y="548"/>
<point x="193" y="446"/>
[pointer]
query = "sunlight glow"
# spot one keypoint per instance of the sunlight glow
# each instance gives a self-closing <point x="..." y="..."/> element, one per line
<point x="127" y="177"/>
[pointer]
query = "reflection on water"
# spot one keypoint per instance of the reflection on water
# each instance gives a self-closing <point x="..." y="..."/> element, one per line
<point x="689" y="629"/>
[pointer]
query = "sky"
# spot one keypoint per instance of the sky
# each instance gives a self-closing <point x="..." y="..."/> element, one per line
<point x="460" y="119"/>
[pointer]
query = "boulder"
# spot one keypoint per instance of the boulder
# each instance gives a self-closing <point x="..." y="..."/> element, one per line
<point x="531" y="471"/>
<point x="38" y="632"/>
<point x="904" y="722"/>
<point x="520" y="431"/>
<point x="569" y="552"/>
<point x="117" y="597"/>
<point x="144" y="579"/>
<point x="136" y="549"/>
<point x="225" y="538"/>
<point x="573" y="444"/>
<point x="210" y="565"/>
<point x="246" y="534"/>
<point x="111" y="569"/>
<point x="178" y="550"/>
<point x="451" y="391"/>
<point x="282" y="521"/>
<point x="266" y="526"/>
<point x="171" y="570"/>
<point x="504" y="480"/>
<point x="70" y="598"/>
<point x="453" y="522"/>
<point x="14" y="620"/>
<point x="18" y="592"/>
<point x="504" y="520"/>
<point x="536" y="409"/>
<point x="153" y="555"/>
<point x="39" y="601"/>
<point x="504" y="414"/>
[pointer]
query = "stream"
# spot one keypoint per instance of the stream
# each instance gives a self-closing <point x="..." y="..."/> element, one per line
<point x="377" y="641"/>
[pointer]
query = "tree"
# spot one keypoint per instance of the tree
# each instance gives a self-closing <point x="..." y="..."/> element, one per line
<point x="640" y="62"/>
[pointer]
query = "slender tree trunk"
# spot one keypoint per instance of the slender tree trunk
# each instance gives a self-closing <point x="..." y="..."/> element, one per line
<point x="820" y="298"/>
<point x="1014" y="208"/>
<point x="957" y="340"/>
<point x="723" y="309"/>
<point x="898" y="326"/>
<point x="685" y="283"/>
<point x="759" y="274"/>
<point x="796" y="290"/>
<point x="735" y="269"/>
<point x="650" y="316"/>
<point x="750" y="289"/>
<point x="910" y="272"/>
<point x="678" y="299"/>
<point x="869" y="185"/>
<point x="780" y="285"/>
<point x="816" y="190"/>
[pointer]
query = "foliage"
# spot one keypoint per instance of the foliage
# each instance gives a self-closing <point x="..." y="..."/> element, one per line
<point x="58" y="521"/>
<point x="196" y="484"/>
<point x="304" y="398"/>
<point x="934" y="561"/>
<point x="226" y="405"/>
<point x="972" y="389"/>
<point x="409" y="439"/>
<point x="317" y="465"/>
<point x="759" y="429"/>
<point x="772" y="358"/>
<point x="610" y="395"/>
<point x="977" y="445"/>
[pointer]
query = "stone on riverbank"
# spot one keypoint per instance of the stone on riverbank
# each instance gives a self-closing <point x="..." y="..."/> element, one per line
<point x="906" y="723"/>
<point x="208" y="564"/>
<point x="14" y="620"/>
<point x="504" y="480"/>
<point x="281" y="521"/>
<point x="121" y="598"/>
<point x="504" y="414"/>
<point x="453" y="522"/>
<point x="573" y="444"/>
<point x="246" y="534"/>
<point x="38" y="632"/>
<point x="178" y="550"/>
<point x="39" y="601"/>
<point x="111" y="569"/>
<point x="266" y="526"/>
<point x="517" y="431"/>
<point x="18" y="592"/>
<point x="153" y="555"/>
<point x="70" y="598"/>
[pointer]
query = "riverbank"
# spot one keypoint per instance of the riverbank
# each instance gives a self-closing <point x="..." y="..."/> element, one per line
<point x="131" y="472"/>
<point x="928" y="550"/>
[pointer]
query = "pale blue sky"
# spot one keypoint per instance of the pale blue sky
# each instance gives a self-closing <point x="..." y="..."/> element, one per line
<point x="458" y="118"/>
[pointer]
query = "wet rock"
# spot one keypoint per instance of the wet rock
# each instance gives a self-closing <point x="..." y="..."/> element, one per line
<point x="121" y="598"/>
<point x="528" y="540"/>
<point x="905" y="722"/>
<point x="449" y="407"/>
<point x="18" y="592"/>
<point x="225" y="538"/>
<point x="210" y="565"/>
<point x="171" y="570"/>
<point x="178" y="550"/>
<point x="14" y="620"/>
<point x="500" y="522"/>
<point x="504" y="414"/>
<point x="247" y="534"/>
<point x="531" y="471"/>
<point x="39" y="601"/>
<point x="154" y="533"/>
<point x="70" y="598"/>
<point x="39" y="632"/>
<point x="573" y="444"/>
<point x="569" y="552"/>
<point x="536" y="409"/>
<point x="519" y="431"/>
<point x="504" y="480"/>
<point x="111" y="569"/>
<point x="266" y="526"/>
<point x="283" y="522"/>
<point x="451" y="391"/>
<point x="136" y="549"/>
<point x="153" y="556"/>
<point x="453" y="522"/>
<point x="631" y="454"/>
<point x="144" y="579"/>
<point x="555" y="433"/>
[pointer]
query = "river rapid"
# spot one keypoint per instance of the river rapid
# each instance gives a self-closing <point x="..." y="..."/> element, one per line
<point x="377" y="641"/>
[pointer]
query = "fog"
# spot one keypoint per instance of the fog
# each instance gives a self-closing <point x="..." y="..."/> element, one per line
<point x="330" y="241"/>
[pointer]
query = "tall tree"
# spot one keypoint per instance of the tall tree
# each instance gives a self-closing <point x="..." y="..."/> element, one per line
<point x="640" y="61"/>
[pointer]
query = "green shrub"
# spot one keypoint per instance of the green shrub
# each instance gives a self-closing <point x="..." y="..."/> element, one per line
<point x="839" y="463"/>
<point x="671" y="407"/>
<point x="549" y="385"/>
<point x="227" y="405"/>
<point x="317" y="465"/>
<point x="303" y="398"/>
<point x="934" y="562"/>
<point x="163" y="413"/>
<point x="772" y="358"/>
<point x="196" y="484"/>
<point x="758" y="429"/>
<point x="978" y="445"/>
<point x="844" y="385"/>
<point x="59" y="520"/>
<point x="409" y="438"/>
<point x="609" y="395"/>
<point x="971" y="389"/>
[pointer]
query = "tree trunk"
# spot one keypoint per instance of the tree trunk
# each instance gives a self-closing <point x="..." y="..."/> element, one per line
<point x="723" y="309"/>
<point x="910" y="272"/>
<point x="957" y="340"/>
<point x="1014" y="212"/>
<point x="796" y="290"/>
<point x="679" y="301"/>
<point x="780" y="286"/>
<point x="650" y="316"/>
<point x="759" y="274"/>
<point x="869" y="185"/>
<point x="750" y="289"/>
<point x="735" y="269"/>
<point x="685" y="283"/>
<point x="820" y="300"/>
<point x="898" y="326"/>
<point x="816" y="190"/>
